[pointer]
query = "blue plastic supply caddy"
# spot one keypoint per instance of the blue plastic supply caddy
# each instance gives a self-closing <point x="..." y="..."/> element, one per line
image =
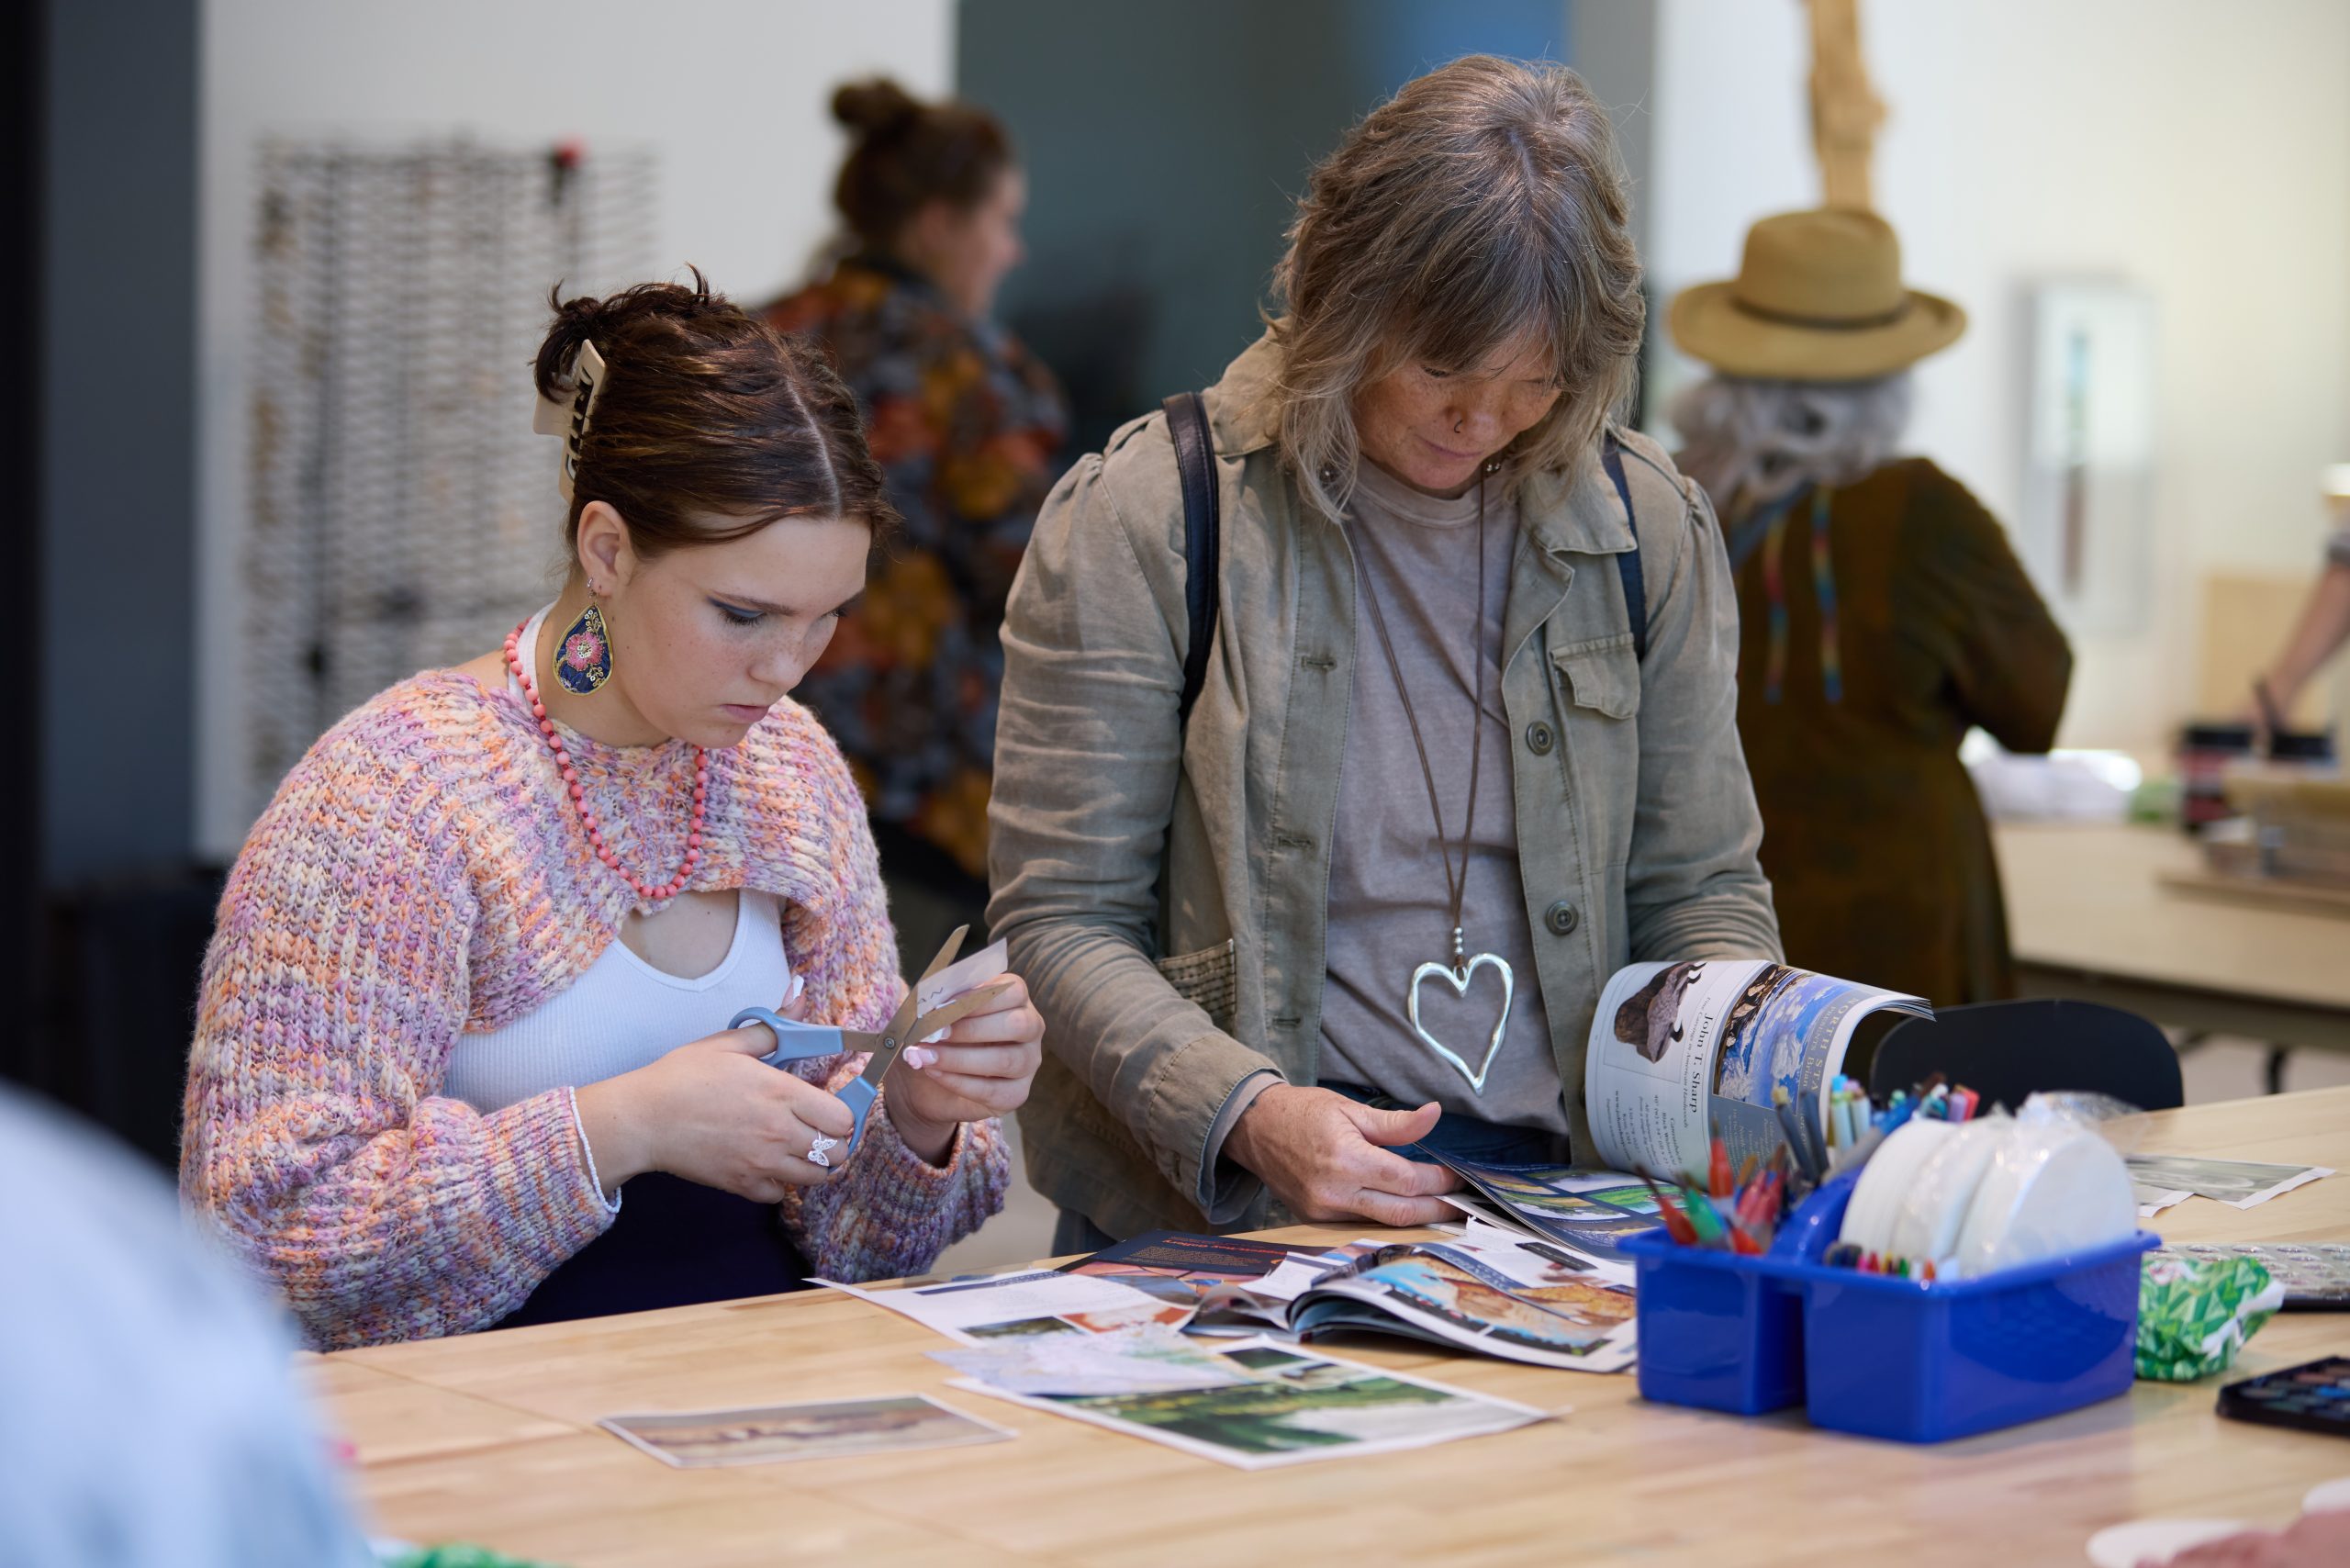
<point x="1874" y="1353"/>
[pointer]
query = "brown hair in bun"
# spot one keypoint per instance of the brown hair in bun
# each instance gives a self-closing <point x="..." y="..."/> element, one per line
<point x="908" y="153"/>
<point x="707" y="412"/>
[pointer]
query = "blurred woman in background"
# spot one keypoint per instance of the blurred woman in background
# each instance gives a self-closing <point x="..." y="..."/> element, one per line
<point x="967" y="428"/>
<point x="2323" y="624"/>
<point x="1883" y="613"/>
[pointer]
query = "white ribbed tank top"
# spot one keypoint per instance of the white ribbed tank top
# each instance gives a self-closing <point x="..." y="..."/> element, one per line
<point x="622" y="1013"/>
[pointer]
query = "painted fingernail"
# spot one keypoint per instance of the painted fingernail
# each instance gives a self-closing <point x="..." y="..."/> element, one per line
<point x="934" y="1039"/>
<point x="918" y="1059"/>
<point x="798" y="984"/>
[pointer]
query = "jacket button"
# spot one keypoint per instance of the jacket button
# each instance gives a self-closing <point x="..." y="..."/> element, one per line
<point x="1539" y="738"/>
<point x="1563" y="918"/>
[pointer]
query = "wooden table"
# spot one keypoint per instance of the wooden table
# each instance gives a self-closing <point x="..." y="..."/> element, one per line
<point x="2089" y="918"/>
<point x="491" y="1439"/>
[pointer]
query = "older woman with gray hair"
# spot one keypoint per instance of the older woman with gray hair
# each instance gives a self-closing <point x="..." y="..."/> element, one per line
<point x="1884" y="614"/>
<point x="1464" y="740"/>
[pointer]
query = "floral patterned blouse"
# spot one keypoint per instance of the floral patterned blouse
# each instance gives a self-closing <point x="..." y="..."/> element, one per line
<point x="968" y="426"/>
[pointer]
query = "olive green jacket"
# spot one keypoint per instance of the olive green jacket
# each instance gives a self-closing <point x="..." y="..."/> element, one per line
<point x="1164" y="888"/>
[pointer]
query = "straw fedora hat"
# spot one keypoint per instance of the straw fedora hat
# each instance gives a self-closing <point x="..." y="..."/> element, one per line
<point x="1818" y="297"/>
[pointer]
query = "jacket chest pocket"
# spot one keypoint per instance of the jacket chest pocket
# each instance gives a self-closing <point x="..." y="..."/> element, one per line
<point x="1208" y="980"/>
<point x="1601" y="675"/>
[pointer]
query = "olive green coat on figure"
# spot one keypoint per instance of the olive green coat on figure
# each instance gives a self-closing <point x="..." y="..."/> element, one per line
<point x="1164" y="889"/>
<point x="1878" y="854"/>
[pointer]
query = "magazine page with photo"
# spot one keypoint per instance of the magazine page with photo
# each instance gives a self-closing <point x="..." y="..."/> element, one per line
<point x="1682" y="1052"/>
<point x="1490" y="1290"/>
<point x="1579" y="1207"/>
<point x="1502" y="1298"/>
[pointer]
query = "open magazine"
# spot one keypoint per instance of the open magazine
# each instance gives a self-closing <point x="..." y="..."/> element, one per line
<point x="1490" y="1292"/>
<point x="1684" y="1052"/>
<point x="1497" y="1295"/>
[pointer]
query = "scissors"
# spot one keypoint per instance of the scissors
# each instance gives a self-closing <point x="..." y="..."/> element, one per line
<point x="797" y="1042"/>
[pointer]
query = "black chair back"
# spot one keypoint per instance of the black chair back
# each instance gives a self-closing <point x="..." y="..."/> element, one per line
<point x="2008" y="1050"/>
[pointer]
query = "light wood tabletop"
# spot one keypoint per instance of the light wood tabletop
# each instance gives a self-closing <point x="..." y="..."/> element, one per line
<point x="2090" y="916"/>
<point x="491" y="1439"/>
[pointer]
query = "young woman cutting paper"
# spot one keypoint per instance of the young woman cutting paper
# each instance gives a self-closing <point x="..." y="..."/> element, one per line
<point x="473" y="969"/>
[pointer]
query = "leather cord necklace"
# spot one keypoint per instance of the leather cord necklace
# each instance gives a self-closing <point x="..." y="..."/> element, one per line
<point x="1457" y="974"/>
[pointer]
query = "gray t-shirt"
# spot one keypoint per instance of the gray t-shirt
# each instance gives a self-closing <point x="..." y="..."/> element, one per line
<point x="1389" y="910"/>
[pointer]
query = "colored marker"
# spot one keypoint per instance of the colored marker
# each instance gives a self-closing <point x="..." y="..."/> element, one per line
<point x="1676" y="1224"/>
<point x="1791" y="1128"/>
<point x="1707" y="1223"/>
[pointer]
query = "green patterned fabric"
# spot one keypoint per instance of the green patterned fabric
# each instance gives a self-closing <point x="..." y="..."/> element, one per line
<point x="2195" y="1314"/>
<point x="457" y="1557"/>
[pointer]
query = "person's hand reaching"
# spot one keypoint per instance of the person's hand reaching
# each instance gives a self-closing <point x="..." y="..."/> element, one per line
<point x="1328" y="1157"/>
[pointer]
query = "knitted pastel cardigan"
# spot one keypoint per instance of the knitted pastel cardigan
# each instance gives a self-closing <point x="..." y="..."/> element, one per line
<point x="421" y="873"/>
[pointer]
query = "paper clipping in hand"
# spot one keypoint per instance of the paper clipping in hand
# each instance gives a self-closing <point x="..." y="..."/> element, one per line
<point x="967" y="973"/>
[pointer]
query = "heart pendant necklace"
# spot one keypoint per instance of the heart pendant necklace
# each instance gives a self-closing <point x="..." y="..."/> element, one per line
<point x="1458" y="973"/>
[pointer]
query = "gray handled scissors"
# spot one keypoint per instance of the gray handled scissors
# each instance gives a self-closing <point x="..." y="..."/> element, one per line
<point x="797" y="1042"/>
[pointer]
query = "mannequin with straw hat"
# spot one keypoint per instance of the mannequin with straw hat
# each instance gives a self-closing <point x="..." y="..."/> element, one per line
<point x="1882" y="612"/>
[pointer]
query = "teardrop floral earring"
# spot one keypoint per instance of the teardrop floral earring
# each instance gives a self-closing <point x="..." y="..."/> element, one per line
<point x="584" y="662"/>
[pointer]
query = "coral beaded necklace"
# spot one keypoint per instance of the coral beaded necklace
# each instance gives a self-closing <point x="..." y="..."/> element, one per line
<point x="649" y="894"/>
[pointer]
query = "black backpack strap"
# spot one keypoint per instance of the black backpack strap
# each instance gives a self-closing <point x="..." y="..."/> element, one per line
<point x="1627" y="564"/>
<point x="1187" y="422"/>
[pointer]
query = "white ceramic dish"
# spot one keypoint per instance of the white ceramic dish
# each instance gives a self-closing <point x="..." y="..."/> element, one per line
<point x="2046" y="1194"/>
<point x="1885" y="1181"/>
<point x="1942" y="1194"/>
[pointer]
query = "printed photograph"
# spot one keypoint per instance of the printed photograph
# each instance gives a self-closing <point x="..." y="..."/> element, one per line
<point x="1130" y="1362"/>
<point x="1168" y="1314"/>
<point x="1268" y="1358"/>
<point x="1020" y="1327"/>
<point x="829" y="1430"/>
<point x="2225" y="1180"/>
<point x="1298" y="1406"/>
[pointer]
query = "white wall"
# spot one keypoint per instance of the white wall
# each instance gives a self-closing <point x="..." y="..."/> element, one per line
<point x="2200" y="150"/>
<point x="731" y="94"/>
